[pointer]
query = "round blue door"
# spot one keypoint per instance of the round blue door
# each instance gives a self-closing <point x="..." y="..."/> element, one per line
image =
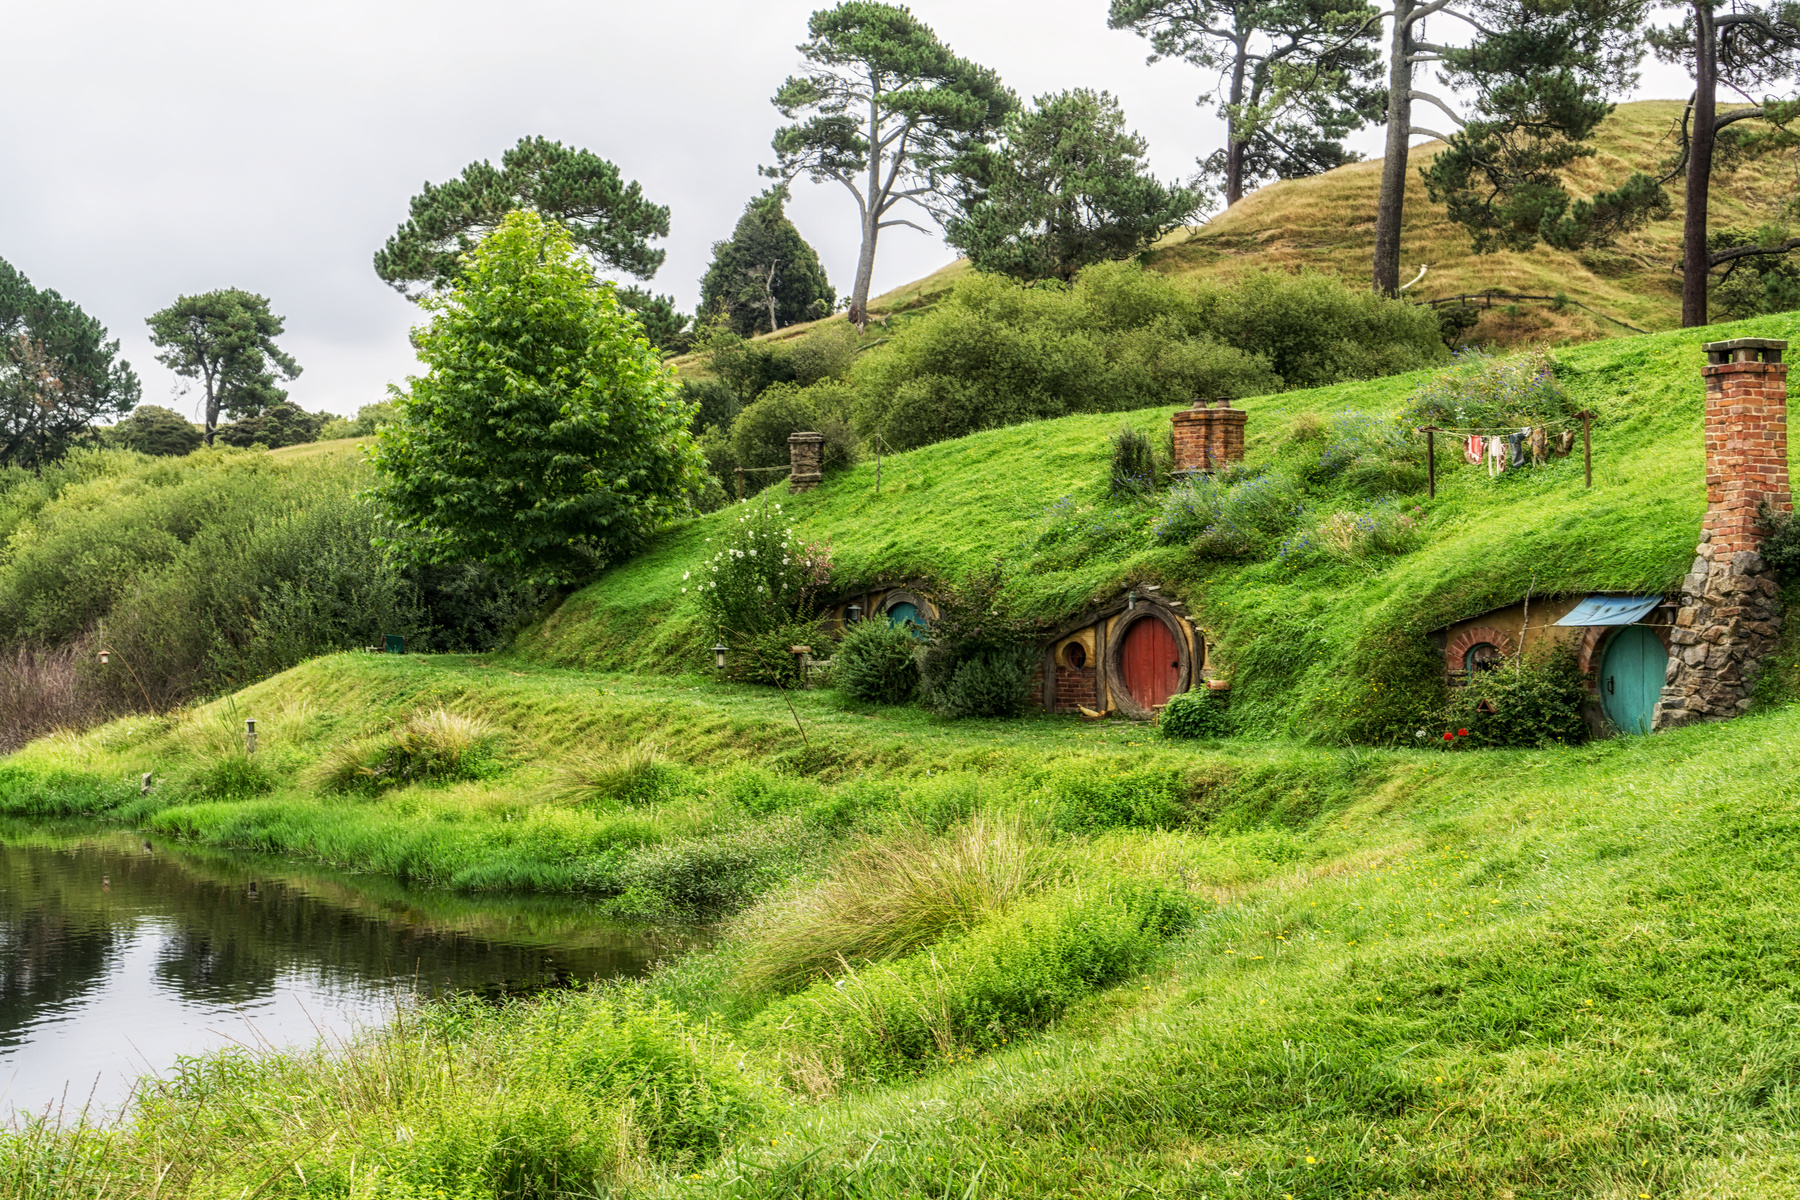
<point x="1631" y="677"/>
<point x="906" y="613"/>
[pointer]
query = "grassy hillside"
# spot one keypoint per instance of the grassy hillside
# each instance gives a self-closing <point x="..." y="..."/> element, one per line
<point x="1410" y="973"/>
<point x="1318" y="650"/>
<point x="1327" y="223"/>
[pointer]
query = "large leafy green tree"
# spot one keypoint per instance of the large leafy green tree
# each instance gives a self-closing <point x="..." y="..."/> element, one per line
<point x="58" y="372"/>
<point x="765" y="275"/>
<point x="224" y="340"/>
<point x="1747" y="50"/>
<point x="1069" y="186"/>
<point x="544" y="438"/>
<point x="1541" y="71"/>
<point x="886" y="110"/>
<point x="606" y="217"/>
<point x="1294" y="77"/>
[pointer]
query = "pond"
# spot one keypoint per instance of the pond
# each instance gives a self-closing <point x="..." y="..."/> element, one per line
<point x="119" y="954"/>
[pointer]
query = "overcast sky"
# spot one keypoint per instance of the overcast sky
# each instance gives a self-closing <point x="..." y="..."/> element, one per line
<point x="153" y="149"/>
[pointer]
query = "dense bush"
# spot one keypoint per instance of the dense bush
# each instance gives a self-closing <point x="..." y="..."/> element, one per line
<point x="998" y="353"/>
<point x="1198" y="714"/>
<point x="1535" y="702"/>
<point x="430" y="746"/>
<point x="153" y="429"/>
<point x="1133" y="464"/>
<point x="369" y="418"/>
<point x="1485" y="392"/>
<point x="1781" y="549"/>
<point x="759" y="433"/>
<point x="749" y="368"/>
<point x="877" y="662"/>
<point x="977" y="659"/>
<point x="760" y="593"/>
<point x="218" y="568"/>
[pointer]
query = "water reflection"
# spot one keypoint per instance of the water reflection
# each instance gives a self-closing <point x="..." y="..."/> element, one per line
<point x="117" y="956"/>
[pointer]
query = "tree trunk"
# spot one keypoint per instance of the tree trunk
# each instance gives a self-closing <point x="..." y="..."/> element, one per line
<point x="1234" y="127"/>
<point x="865" y="258"/>
<point x="769" y="295"/>
<point x="1699" y="169"/>
<point x="212" y="409"/>
<point x="1389" y="208"/>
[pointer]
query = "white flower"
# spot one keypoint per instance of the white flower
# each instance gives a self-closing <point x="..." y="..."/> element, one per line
<point x="684" y="575"/>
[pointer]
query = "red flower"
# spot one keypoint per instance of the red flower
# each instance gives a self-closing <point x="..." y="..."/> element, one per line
<point x="1449" y="736"/>
<point x="1462" y="733"/>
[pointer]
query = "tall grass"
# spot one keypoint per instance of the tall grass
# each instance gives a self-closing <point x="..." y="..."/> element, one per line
<point x="889" y="898"/>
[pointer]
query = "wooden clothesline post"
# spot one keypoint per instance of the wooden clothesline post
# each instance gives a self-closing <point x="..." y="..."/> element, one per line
<point x="1431" y="432"/>
<point x="1587" y="446"/>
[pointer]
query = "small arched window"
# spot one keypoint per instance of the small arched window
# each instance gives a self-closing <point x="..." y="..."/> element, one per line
<point x="1482" y="656"/>
<point x="1075" y="656"/>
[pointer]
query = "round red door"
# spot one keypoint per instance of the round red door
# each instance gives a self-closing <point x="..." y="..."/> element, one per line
<point x="1149" y="662"/>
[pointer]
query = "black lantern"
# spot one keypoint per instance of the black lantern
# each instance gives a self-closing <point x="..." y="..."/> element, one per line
<point x="719" y="656"/>
<point x="853" y="613"/>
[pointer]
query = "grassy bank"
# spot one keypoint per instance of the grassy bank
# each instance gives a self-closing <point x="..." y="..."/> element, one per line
<point x="1073" y="966"/>
<point x="1325" y="650"/>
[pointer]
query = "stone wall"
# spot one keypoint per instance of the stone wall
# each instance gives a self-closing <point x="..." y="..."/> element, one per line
<point x="1729" y="617"/>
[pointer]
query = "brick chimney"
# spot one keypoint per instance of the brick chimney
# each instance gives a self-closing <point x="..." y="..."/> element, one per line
<point x="806" y="461"/>
<point x="1730" y="618"/>
<point x="1207" y="439"/>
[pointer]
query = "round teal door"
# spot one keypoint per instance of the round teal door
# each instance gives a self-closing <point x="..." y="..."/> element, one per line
<point x="1631" y="677"/>
<point x="907" y="614"/>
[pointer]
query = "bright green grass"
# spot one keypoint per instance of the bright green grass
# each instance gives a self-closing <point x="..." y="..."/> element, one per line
<point x="1525" y="974"/>
<point x="1321" y="653"/>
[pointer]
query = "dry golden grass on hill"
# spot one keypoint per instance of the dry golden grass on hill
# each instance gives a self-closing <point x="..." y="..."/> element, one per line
<point x="1327" y="223"/>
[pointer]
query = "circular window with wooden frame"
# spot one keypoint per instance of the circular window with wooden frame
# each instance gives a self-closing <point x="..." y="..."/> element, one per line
<point x="1147" y="661"/>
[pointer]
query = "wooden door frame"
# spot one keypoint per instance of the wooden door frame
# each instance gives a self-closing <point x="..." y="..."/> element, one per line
<point x="1122" y="698"/>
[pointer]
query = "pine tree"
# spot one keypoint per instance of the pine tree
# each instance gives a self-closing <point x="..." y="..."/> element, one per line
<point x="765" y="275"/>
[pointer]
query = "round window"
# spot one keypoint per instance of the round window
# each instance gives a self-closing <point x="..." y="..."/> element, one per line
<point x="1482" y="656"/>
<point x="1075" y="656"/>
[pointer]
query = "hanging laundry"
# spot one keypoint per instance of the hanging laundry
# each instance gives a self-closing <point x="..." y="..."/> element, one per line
<point x="1540" y="446"/>
<point x="1516" y="444"/>
<point x="1496" y="455"/>
<point x="1473" y="447"/>
<point x="1564" y="440"/>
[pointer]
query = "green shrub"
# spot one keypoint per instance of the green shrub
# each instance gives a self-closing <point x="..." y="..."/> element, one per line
<point x="1535" y="702"/>
<point x="759" y="433"/>
<point x="715" y="404"/>
<point x="1000" y="353"/>
<point x="1133" y="464"/>
<point x="877" y="662"/>
<point x="988" y="683"/>
<point x="759" y="593"/>
<point x="703" y="878"/>
<point x="1015" y="973"/>
<point x="1231" y="514"/>
<point x="1382" y="531"/>
<point x="1781" y="549"/>
<point x="1485" y="392"/>
<point x="977" y="660"/>
<point x="231" y="777"/>
<point x="1202" y="713"/>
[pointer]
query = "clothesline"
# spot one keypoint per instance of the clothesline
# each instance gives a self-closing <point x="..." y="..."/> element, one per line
<point x="1503" y="431"/>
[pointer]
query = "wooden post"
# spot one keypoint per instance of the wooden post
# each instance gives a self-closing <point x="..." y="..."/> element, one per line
<point x="878" y="464"/>
<point x="1587" y="446"/>
<point x="1431" y="432"/>
<point x="250" y="735"/>
<point x="740" y="481"/>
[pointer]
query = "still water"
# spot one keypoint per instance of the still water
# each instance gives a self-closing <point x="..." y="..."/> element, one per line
<point x="118" y="955"/>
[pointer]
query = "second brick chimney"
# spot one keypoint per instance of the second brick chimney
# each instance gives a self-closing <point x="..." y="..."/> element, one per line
<point x="1730" y="617"/>
<point x="1208" y="438"/>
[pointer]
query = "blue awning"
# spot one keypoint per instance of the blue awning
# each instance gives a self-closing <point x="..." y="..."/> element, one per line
<point x="1611" y="610"/>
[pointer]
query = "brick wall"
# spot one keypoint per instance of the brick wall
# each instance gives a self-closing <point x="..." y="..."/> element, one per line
<point x="1075" y="687"/>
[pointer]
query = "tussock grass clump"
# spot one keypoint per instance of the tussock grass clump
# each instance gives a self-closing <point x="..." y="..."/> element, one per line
<point x="432" y="745"/>
<point x="975" y="992"/>
<point x="637" y="774"/>
<point x="893" y="897"/>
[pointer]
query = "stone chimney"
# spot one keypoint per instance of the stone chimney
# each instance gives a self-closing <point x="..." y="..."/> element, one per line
<point x="806" y="461"/>
<point x="1730" y="618"/>
<point x="1207" y="439"/>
